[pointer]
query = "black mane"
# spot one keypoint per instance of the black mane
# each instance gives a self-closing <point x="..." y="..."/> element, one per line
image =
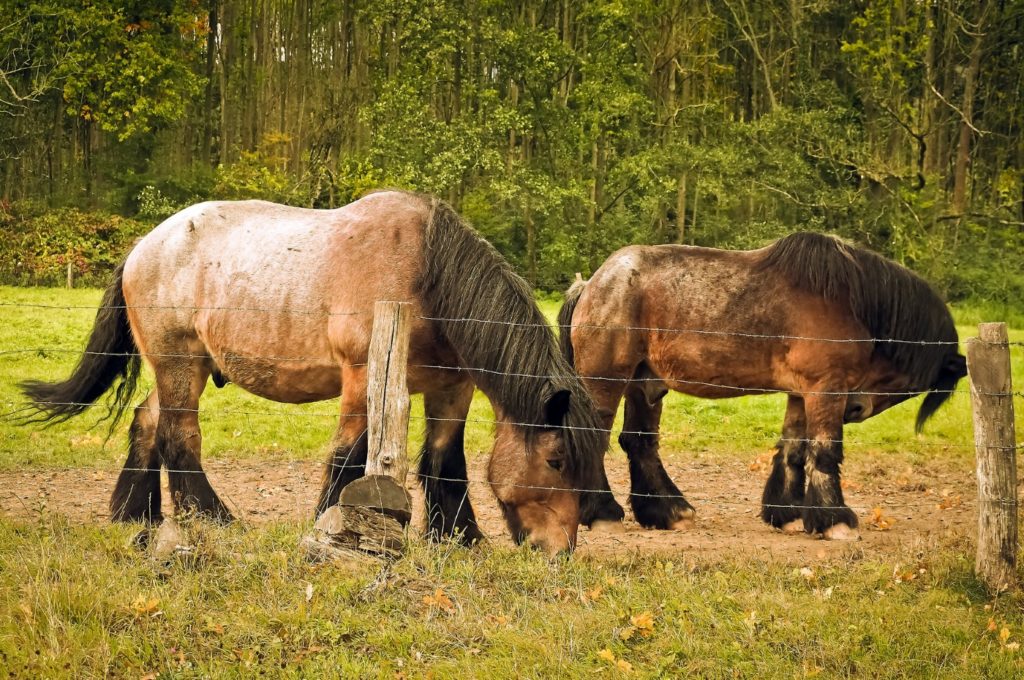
<point x="488" y="314"/>
<point x="896" y="305"/>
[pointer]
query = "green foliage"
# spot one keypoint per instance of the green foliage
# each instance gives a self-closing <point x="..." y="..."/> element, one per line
<point x="130" y="68"/>
<point x="39" y="244"/>
<point x="563" y="130"/>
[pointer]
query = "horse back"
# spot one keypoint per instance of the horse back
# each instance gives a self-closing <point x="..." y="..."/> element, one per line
<point x="274" y="294"/>
<point x="702" y="317"/>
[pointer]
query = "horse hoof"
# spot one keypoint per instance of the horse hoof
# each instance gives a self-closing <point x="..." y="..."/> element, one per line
<point x="841" y="532"/>
<point x="685" y="521"/>
<point x="607" y="526"/>
<point x="795" y="526"/>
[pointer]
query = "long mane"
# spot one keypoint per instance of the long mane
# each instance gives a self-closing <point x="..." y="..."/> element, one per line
<point x="488" y="314"/>
<point x="895" y="305"/>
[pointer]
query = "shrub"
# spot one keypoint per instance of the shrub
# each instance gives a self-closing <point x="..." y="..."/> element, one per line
<point x="40" y="244"/>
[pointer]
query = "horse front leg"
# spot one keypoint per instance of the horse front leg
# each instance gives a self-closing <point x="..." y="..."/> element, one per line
<point x="442" y="468"/>
<point x="656" y="501"/>
<point x="825" y="512"/>
<point x="349" y="447"/>
<point x="783" y="498"/>
<point x="598" y="508"/>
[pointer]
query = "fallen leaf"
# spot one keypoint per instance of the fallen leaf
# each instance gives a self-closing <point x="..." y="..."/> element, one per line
<point x="624" y="666"/>
<point x="879" y="521"/>
<point x="593" y="594"/>
<point x="762" y="462"/>
<point x="627" y="632"/>
<point x="606" y="655"/>
<point x="143" y="606"/>
<point x="807" y="573"/>
<point x="991" y="626"/>
<point x="309" y="592"/>
<point x="1004" y="635"/>
<point x="950" y="502"/>
<point x="439" y="600"/>
<point x="644" y="623"/>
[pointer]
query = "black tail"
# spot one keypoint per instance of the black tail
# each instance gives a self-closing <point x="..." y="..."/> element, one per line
<point x="110" y="354"/>
<point x="954" y="369"/>
<point x="572" y="298"/>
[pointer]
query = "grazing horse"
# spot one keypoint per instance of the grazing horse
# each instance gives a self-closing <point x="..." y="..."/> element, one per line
<point x="844" y="332"/>
<point x="279" y="301"/>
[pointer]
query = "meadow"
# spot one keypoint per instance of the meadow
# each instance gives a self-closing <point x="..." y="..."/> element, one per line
<point x="77" y="599"/>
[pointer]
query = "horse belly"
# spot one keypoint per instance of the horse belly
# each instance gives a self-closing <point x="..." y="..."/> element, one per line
<point x="714" y="374"/>
<point x="287" y="360"/>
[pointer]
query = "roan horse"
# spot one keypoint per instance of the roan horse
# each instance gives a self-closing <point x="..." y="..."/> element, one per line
<point x="844" y="332"/>
<point x="279" y="301"/>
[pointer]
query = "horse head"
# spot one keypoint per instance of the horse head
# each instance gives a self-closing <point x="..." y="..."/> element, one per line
<point x="533" y="475"/>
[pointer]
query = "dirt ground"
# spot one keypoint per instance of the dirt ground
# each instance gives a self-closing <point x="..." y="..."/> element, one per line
<point x="901" y="511"/>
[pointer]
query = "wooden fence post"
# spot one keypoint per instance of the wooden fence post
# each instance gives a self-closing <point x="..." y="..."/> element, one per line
<point x="988" y="363"/>
<point x="387" y="396"/>
<point x="71" y="276"/>
<point x="373" y="510"/>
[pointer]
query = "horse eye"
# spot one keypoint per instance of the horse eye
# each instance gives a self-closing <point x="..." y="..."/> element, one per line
<point x="555" y="463"/>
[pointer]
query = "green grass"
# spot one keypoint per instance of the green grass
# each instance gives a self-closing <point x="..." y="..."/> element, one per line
<point x="76" y="600"/>
<point x="42" y="343"/>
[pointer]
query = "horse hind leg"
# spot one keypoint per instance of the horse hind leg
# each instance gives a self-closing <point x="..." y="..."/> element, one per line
<point x="179" y="441"/>
<point x="783" y="498"/>
<point x="136" y="495"/>
<point x="825" y="512"/>
<point x="442" y="467"/>
<point x="656" y="501"/>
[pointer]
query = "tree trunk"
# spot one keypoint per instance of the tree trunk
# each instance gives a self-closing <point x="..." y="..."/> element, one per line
<point x="963" y="151"/>
<point x="681" y="210"/>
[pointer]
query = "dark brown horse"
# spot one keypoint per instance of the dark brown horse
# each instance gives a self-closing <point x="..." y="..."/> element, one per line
<point x="279" y="301"/>
<point x="844" y="332"/>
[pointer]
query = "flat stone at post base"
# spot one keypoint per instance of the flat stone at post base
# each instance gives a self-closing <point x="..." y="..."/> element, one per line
<point x="169" y="540"/>
<point x="347" y="532"/>
<point x="381" y="493"/>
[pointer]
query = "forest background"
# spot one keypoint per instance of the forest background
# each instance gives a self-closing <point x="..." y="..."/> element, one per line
<point x="563" y="129"/>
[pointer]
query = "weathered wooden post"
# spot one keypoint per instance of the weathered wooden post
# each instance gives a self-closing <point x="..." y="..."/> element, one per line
<point x="373" y="510"/>
<point x="988" y="363"/>
<point x="71" y="276"/>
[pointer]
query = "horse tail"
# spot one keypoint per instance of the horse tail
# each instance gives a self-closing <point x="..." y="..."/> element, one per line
<point x="572" y="298"/>
<point x="950" y="374"/>
<point x="110" y="354"/>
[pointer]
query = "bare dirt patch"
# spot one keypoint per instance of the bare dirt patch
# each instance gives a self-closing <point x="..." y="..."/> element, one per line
<point x="900" y="509"/>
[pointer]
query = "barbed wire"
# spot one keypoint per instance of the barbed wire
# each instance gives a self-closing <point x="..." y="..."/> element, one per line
<point x="192" y="308"/>
<point x="741" y="390"/>
<point x="493" y="422"/>
<point x="616" y="327"/>
<point x="718" y="500"/>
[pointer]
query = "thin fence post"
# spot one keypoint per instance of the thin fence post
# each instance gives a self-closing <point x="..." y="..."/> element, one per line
<point x="988" y="363"/>
<point x="373" y="510"/>
<point x="71" y="276"/>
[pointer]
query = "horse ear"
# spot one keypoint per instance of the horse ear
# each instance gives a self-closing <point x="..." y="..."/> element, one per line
<point x="957" y="365"/>
<point x="556" y="408"/>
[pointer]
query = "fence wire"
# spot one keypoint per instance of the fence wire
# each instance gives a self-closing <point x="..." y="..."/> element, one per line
<point x="469" y="320"/>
